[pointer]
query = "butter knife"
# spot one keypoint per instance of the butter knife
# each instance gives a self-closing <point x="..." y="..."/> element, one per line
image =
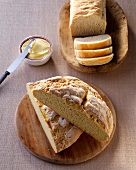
<point x="17" y="61"/>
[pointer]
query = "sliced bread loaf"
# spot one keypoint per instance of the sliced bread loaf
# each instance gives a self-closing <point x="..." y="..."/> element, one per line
<point x="92" y="42"/>
<point x="60" y="133"/>
<point x="78" y="103"/>
<point x="95" y="61"/>
<point x="87" y="17"/>
<point x="93" y="53"/>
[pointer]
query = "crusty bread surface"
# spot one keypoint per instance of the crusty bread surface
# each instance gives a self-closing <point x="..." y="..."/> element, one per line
<point x="87" y="17"/>
<point x="77" y="102"/>
<point x="60" y="133"/>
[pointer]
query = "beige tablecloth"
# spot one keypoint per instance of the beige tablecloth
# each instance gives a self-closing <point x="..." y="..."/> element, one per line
<point x="22" y="18"/>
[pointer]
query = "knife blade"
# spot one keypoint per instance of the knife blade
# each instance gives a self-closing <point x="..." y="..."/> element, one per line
<point x="17" y="61"/>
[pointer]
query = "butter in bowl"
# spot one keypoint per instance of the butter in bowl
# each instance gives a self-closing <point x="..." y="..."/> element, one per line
<point x="40" y="52"/>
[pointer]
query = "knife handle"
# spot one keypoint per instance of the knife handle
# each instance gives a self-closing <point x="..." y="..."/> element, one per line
<point x="2" y="78"/>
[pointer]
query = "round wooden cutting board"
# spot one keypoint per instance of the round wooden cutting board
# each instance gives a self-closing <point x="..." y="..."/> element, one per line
<point x="31" y="134"/>
<point x="116" y="27"/>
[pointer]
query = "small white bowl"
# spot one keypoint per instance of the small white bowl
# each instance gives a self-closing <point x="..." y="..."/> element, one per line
<point x="41" y="61"/>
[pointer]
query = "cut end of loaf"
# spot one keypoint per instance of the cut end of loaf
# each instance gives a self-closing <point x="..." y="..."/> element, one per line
<point x="72" y="115"/>
<point x="80" y="29"/>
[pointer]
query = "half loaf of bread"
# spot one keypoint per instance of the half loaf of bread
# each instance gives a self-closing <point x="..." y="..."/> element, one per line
<point x="60" y="133"/>
<point x="87" y="17"/>
<point x="92" y="42"/>
<point x="77" y="102"/>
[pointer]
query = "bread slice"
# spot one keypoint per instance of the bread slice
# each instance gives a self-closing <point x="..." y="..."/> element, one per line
<point x="95" y="61"/>
<point x="60" y="133"/>
<point x="87" y="17"/>
<point x="93" y="53"/>
<point x="92" y="42"/>
<point x="77" y="102"/>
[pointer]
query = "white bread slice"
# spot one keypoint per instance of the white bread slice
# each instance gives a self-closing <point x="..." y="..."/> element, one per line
<point x="77" y="102"/>
<point x="87" y="17"/>
<point x="92" y="42"/>
<point x="95" y="61"/>
<point x="60" y="133"/>
<point x="93" y="53"/>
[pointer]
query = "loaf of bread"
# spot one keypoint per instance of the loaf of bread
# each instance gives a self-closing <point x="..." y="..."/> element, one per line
<point x="92" y="42"/>
<point x="87" y="17"/>
<point x="95" y="61"/>
<point x="77" y="102"/>
<point x="60" y="133"/>
<point x="93" y="53"/>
